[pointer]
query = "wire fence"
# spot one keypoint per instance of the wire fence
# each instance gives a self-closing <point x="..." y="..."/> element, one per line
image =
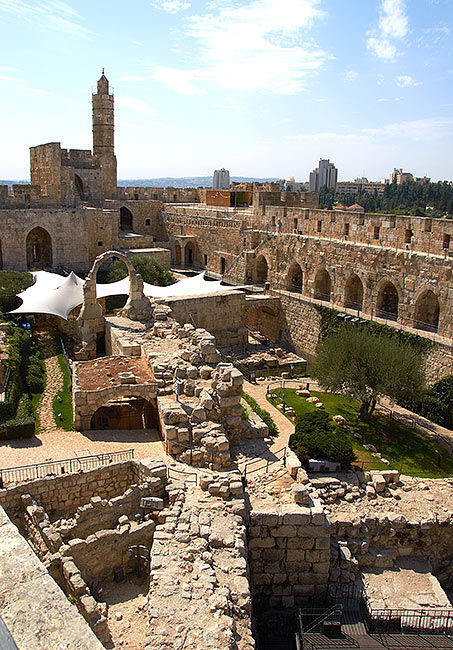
<point x="264" y="463"/>
<point x="66" y="466"/>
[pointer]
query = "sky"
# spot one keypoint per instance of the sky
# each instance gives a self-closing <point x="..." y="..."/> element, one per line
<point x="264" y="88"/>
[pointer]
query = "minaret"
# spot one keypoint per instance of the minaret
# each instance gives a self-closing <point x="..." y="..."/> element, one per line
<point x="103" y="136"/>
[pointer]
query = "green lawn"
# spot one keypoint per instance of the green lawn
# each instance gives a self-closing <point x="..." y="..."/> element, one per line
<point x="406" y="449"/>
<point x="63" y="400"/>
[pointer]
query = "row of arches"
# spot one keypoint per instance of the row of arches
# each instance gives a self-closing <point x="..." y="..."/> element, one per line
<point x="427" y="309"/>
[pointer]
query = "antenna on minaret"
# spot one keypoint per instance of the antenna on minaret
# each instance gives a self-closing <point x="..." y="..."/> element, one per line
<point x="102" y="70"/>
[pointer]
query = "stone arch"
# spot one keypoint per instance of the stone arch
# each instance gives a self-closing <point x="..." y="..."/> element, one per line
<point x="130" y="412"/>
<point x="294" y="280"/>
<point x="322" y="285"/>
<point x="177" y="254"/>
<point x="126" y="219"/>
<point x="387" y="301"/>
<point x="137" y="307"/>
<point x="353" y="292"/>
<point x="189" y="254"/>
<point x="38" y="245"/>
<point x="78" y="186"/>
<point x="261" y="270"/>
<point x="427" y="311"/>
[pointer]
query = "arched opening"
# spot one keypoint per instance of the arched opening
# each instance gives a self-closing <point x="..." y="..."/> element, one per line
<point x="427" y="312"/>
<point x="353" y="292"/>
<point x="78" y="186"/>
<point x="322" y="286"/>
<point x="262" y="270"/>
<point x="387" y="302"/>
<point x="130" y="413"/>
<point x="109" y="271"/>
<point x="177" y="254"/>
<point x="189" y="255"/>
<point x="295" y="277"/>
<point x="126" y="219"/>
<point x="39" y="249"/>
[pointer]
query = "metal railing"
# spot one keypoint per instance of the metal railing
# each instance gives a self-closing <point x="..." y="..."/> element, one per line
<point x="66" y="466"/>
<point x="266" y="462"/>
<point x="409" y="621"/>
<point x="182" y="475"/>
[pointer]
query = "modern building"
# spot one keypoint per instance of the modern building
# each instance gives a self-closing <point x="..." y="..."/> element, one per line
<point x="221" y="179"/>
<point x="325" y="174"/>
<point x="360" y="185"/>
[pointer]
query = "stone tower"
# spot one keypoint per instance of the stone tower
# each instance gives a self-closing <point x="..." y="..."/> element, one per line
<point x="103" y="136"/>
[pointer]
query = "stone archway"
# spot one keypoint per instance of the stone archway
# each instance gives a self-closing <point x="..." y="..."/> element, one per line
<point x="128" y="412"/>
<point x="387" y="301"/>
<point x="126" y="219"/>
<point x="39" y="249"/>
<point x="177" y="254"/>
<point x="189" y="255"/>
<point x="322" y="286"/>
<point x="353" y="292"/>
<point x="78" y="186"/>
<point x="294" y="279"/>
<point x="262" y="270"/>
<point x="137" y="307"/>
<point x="427" y="311"/>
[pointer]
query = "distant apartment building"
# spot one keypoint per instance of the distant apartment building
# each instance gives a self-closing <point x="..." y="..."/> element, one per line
<point x="221" y="179"/>
<point x="325" y="174"/>
<point x="360" y="185"/>
<point x="398" y="176"/>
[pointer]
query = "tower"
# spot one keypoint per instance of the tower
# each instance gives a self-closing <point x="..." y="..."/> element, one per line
<point x="103" y="136"/>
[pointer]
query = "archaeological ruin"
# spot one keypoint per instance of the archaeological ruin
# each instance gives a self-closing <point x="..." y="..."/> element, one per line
<point x="222" y="536"/>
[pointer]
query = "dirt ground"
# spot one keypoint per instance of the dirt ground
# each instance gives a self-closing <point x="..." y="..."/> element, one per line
<point x="127" y="612"/>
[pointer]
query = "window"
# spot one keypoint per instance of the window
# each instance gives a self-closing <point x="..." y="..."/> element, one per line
<point x="295" y="225"/>
<point x="446" y="241"/>
<point x="99" y="243"/>
<point x="392" y="222"/>
<point x="205" y="260"/>
<point x="428" y="224"/>
<point x="376" y="232"/>
<point x="332" y="217"/>
<point x="136" y="196"/>
<point x="319" y="226"/>
<point x="147" y="222"/>
<point x="222" y="265"/>
<point x="361" y="220"/>
<point x="346" y="229"/>
<point x="155" y="197"/>
<point x="408" y="236"/>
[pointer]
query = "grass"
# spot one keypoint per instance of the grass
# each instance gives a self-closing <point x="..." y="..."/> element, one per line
<point x="36" y="399"/>
<point x="63" y="399"/>
<point x="407" y="450"/>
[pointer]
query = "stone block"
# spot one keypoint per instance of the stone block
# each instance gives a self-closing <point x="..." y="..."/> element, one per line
<point x="296" y="515"/>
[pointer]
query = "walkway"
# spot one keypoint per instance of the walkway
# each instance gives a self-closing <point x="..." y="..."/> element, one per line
<point x="259" y="391"/>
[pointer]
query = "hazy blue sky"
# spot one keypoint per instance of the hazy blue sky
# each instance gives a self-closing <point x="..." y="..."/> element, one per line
<point x="263" y="88"/>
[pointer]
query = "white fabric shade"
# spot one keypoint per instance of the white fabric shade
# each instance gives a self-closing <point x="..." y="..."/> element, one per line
<point x="58" y="295"/>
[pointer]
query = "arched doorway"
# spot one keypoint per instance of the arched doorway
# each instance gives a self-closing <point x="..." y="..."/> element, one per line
<point x="39" y="249"/>
<point x="177" y="254"/>
<point x="262" y="270"/>
<point x="189" y="255"/>
<point x="322" y="286"/>
<point x="129" y="413"/>
<point x="78" y="186"/>
<point x="126" y="219"/>
<point x="353" y="292"/>
<point x="387" y="302"/>
<point x="427" y="311"/>
<point x="295" y="278"/>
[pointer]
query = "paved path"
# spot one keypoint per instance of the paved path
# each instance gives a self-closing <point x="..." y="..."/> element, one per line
<point x="258" y="391"/>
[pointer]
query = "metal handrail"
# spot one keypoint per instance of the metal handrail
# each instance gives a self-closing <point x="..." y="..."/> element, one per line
<point x="66" y="466"/>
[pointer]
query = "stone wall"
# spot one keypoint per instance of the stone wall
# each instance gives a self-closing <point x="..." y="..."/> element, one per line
<point x="299" y="324"/>
<point x="289" y="554"/>
<point x="222" y="315"/>
<point x="439" y="362"/>
<point x="36" y="611"/>
<point x="62" y="495"/>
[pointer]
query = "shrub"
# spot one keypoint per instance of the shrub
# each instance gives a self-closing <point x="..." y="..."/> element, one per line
<point x="23" y="425"/>
<point x="435" y="403"/>
<point x="151" y="270"/>
<point x="12" y="283"/>
<point x="316" y="435"/>
<point x="264" y="415"/>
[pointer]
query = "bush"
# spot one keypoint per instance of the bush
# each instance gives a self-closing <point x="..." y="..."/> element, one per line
<point x="316" y="435"/>
<point x="151" y="270"/>
<point x="11" y="283"/>
<point x="6" y="410"/>
<point x="435" y="403"/>
<point x="23" y="425"/>
<point x="264" y="415"/>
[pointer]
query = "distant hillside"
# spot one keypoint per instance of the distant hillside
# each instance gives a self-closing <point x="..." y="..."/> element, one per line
<point x="10" y="183"/>
<point x="186" y="181"/>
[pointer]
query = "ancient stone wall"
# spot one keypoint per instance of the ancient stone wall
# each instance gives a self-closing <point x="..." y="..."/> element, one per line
<point x="77" y="236"/>
<point x="299" y="324"/>
<point x="222" y="315"/>
<point x="62" y="495"/>
<point x="289" y="554"/>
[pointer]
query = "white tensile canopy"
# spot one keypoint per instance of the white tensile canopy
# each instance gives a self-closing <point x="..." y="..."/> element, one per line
<point x="58" y="295"/>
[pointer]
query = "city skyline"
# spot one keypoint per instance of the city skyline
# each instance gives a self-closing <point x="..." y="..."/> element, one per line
<point x="261" y="90"/>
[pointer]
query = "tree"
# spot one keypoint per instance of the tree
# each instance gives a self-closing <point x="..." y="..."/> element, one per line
<point x="365" y="367"/>
<point x="151" y="270"/>
<point x="12" y="283"/>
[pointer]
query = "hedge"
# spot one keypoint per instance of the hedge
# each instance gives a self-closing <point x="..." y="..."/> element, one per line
<point x="23" y="425"/>
<point x="317" y="435"/>
<point x="264" y="415"/>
